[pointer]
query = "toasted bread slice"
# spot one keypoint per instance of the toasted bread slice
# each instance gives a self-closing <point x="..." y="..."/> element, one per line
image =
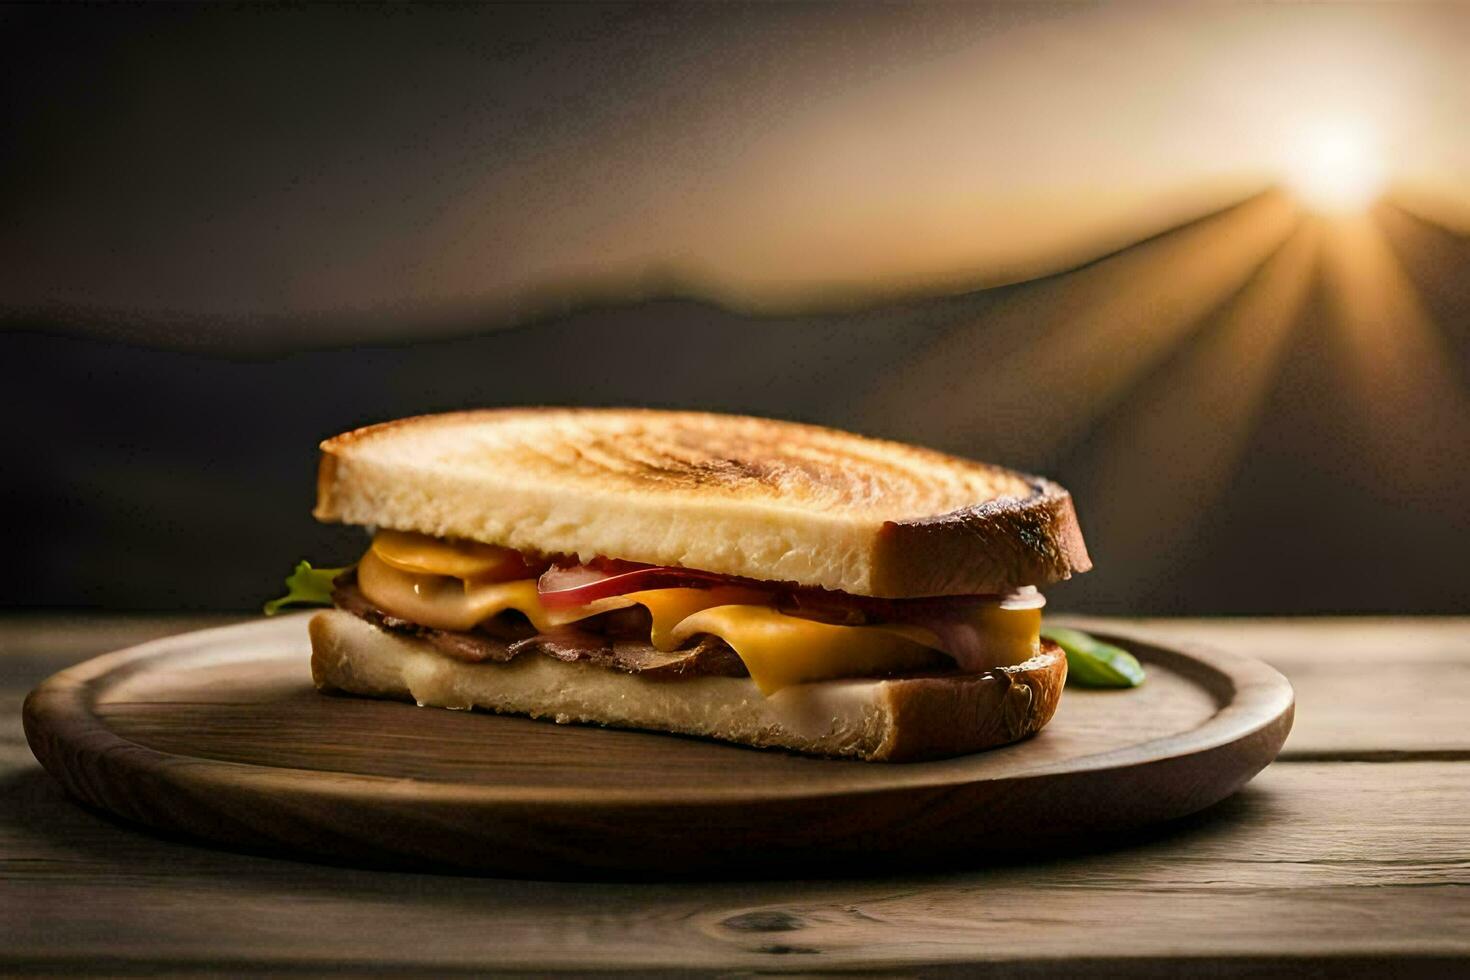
<point x="886" y="720"/>
<point x="768" y="500"/>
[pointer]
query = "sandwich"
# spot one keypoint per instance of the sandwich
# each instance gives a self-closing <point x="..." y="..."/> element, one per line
<point x="764" y="583"/>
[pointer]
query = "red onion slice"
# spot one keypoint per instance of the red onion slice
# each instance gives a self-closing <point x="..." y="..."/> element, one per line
<point x="949" y="618"/>
<point x="562" y="587"/>
<point x="961" y="638"/>
<point x="571" y="586"/>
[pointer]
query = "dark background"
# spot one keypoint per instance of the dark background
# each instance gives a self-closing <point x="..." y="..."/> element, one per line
<point x="215" y="254"/>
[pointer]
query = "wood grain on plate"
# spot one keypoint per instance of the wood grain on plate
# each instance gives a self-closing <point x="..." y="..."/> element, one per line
<point x="220" y="735"/>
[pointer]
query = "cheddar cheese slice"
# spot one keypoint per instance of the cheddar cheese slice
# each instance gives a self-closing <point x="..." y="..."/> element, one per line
<point x="778" y="649"/>
<point x="781" y="650"/>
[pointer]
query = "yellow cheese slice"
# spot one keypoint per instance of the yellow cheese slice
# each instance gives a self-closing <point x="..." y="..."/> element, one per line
<point x="670" y="607"/>
<point x="446" y="603"/>
<point x="781" y="650"/>
<point x="778" y="649"/>
<point x="425" y="555"/>
<point x="1012" y="636"/>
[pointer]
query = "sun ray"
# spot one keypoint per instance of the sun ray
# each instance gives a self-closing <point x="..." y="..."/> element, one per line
<point x="1434" y="256"/>
<point x="1024" y="378"/>
<point x="1152" y="470"/>
<point x="1443" y="206"/>
<point x="1408" y="400"/>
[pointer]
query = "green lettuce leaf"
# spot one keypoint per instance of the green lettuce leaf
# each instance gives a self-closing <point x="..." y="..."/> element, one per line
<point x="1093" y="663"/>
<point x="306" y="586"/>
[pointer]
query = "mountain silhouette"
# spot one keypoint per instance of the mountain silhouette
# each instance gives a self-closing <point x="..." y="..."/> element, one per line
<point x="1197" y="391"/>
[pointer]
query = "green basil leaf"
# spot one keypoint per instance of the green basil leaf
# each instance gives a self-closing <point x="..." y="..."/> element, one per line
<point x="1093" y="663"/>
<point x="306" y="586"/>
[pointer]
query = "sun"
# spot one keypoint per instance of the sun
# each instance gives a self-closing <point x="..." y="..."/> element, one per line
<point x="1335" y="168"/>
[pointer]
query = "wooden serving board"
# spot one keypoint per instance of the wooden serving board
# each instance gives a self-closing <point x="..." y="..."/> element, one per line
<point x="220" y="735"/>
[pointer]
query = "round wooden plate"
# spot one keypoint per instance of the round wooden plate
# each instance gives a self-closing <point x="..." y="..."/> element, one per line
<point x="220" y="735"/>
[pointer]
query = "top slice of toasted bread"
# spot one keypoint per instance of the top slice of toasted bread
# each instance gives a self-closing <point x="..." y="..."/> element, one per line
<point x="725" y="493"/>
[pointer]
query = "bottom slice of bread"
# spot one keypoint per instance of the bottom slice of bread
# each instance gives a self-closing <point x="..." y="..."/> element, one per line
<point x="890" y="719"/>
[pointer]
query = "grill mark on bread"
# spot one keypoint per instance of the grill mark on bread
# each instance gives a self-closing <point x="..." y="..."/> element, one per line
<point x="736" y="455"/>
<point x="706" y="459"/>
<point x="904" y="481"/>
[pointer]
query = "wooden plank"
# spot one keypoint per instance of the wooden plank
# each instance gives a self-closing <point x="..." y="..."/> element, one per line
<point x="1366" y="688"/>
<point x="34" y="645"/>
<point x="1347" y="862"/>
<point x="71" y="636"/>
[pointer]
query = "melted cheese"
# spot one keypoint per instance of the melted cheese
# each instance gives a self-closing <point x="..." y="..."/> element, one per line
<point x="670" y="607"/>
<point x="1012" y="636"/>
<point x="425" y="555"/>
<point x="446" y="603"/>
<point x="779" y="650"/>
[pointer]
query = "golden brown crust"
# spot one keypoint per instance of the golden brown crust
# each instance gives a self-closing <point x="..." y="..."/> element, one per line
<point x="937" y="717"/>
<point x="731" y="494"/>
<point x="991" y="547"/>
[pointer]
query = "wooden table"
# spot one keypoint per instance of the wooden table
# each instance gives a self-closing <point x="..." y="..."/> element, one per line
<point x="1352" y="851"/>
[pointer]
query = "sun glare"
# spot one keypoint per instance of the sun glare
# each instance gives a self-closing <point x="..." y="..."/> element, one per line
<point x="1335" y="168"/>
